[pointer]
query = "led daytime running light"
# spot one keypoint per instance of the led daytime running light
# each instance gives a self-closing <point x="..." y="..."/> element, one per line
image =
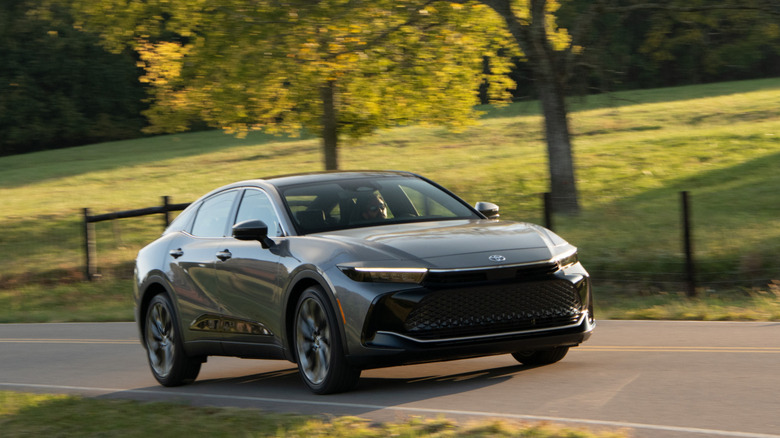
<point x="386" y="275"/>
<point x="567" y="260"/>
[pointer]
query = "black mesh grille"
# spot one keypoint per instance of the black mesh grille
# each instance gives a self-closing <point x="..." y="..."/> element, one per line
<point x="494" y="309"/>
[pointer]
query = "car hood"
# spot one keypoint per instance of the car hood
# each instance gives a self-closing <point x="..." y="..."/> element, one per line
<point x="452" y="244"/>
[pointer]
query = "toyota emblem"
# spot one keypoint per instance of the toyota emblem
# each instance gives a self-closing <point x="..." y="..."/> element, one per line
<point x="496" y="258"/>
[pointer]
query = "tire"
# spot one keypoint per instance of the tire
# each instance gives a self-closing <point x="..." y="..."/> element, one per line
<point x="541" y="357"/>
<point x="169" y="363"/>
<point x="318" y="348"/>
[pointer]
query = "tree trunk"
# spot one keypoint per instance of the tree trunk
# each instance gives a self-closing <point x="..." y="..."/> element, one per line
<point x="563" y="186"/>
<point x="549" y="76"/>
<point x="330" y="132"/>
<point x="550" y="83"/>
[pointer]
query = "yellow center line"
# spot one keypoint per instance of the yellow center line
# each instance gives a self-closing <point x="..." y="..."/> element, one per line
<point x="66" y="341"/>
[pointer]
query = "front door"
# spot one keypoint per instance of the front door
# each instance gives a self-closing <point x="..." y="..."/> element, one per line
<point x="248" y="279"/>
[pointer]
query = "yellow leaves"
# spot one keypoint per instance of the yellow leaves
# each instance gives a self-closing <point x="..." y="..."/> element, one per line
<point x="335" y="47"/>
<point x="552" y="6"/>
<point x="162" y="61"/>
<point x="355" y="29"/>
<point x="522" y="10"/>
<point x="771" y="31"/>
<point x="392" y="63"/>
<point x="307" y="51"/>
<point x="558" y="37"/>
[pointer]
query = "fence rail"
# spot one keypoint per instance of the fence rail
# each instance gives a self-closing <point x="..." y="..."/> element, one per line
<point x="90" y="266"/>
<point x="90" y="245"/>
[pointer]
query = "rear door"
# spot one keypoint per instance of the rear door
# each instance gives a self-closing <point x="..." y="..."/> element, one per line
<point x="193" y="258"/>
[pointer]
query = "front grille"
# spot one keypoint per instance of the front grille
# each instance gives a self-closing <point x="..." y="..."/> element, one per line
<point x="520" y="273"/>
<point x="494" y="309"/>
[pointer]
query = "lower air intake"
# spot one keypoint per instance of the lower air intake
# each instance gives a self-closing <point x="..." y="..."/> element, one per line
<point x="477" y="311"/>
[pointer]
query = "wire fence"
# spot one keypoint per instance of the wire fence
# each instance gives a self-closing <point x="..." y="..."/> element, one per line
<point x="690" y="242"/>
<point x="90" y="236"/>
<point x="661" y="243"/>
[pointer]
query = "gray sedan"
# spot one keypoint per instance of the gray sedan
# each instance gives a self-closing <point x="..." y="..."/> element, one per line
<point x="345" y="271"/>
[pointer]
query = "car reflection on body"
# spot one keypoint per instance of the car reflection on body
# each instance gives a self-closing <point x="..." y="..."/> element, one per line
<point x="344" y="271"/>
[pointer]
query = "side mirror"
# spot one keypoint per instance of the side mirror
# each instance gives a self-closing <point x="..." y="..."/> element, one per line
<point x="253" y="230"/>
<point x="489" y="209"/>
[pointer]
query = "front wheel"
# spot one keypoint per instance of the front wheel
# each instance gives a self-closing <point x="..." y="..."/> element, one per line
<point x="541" y="357"/>
<point x="318" y="348"/>
<point x="164" y="346"/>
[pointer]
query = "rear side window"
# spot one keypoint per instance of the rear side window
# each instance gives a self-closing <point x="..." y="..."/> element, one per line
<point x="183" y="221"/>
<point x="212" y="218"/>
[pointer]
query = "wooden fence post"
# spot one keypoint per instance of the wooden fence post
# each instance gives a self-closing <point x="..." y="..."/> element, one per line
<point x="690" y="271"/>
<point x="166" y="212"/>
<point x="89" y="247"/>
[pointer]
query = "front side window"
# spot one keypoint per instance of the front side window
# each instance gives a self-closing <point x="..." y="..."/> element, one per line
<point x="255" y="205"/>
<point x="430" y="206"/>
<point x="213" y="214"/>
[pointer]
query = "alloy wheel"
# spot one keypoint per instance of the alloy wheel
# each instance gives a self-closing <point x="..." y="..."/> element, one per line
<point x="313" y="341"/>
<point x="160" y="339"/>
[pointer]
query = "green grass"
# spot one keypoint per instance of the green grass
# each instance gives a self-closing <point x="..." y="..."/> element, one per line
<point x="98" y="301"/>
<point x="756" y="304"/>
<point x="634" y="152"/>
<point x="24" y="415"/>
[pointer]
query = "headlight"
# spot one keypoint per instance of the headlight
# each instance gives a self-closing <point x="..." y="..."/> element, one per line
<point x="385" y="275"/>
<point x="566" y="259"/>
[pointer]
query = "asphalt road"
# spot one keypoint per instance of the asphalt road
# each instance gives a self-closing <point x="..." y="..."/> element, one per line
<point x="655" y="378"/>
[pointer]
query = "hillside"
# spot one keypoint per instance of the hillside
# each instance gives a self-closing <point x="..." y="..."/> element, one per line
<point x="634" y="152"/>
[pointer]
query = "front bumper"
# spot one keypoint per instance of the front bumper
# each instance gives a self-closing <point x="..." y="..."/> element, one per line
<point x="471" y="319"/>
<point x="390" y="349"/>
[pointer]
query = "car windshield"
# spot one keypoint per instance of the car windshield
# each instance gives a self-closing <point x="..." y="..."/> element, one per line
<point x="360" y="202"/>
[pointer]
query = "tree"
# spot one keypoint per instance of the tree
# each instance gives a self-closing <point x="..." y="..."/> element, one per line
<point x="341" y="66"/>
<point x="351" y="66"/>
<point x="639" y="44"/>
<point x="702" y="41"/>
<point x="58" y="87"/>
<point x="552" y="54"/>
<point x="335" y="67"/>
<point x="548" y="50"/>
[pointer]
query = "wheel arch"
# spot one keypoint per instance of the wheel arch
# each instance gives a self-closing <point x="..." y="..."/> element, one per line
<point x="301" y="282"/>
<point x="152" y="287"/>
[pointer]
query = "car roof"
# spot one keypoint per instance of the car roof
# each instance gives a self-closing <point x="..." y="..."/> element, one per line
<point x="324" y="177"/>
<point x="281" y="181"/>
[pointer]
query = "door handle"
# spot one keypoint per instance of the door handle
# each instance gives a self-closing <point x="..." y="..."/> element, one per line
<point x="224" y="255"/>
<point x="176" y="253"/>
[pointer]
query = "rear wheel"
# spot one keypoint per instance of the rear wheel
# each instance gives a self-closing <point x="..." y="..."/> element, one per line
<point x="541" y="357"/>
<point x="164" y="345"/>
<point x="318" y="347"/>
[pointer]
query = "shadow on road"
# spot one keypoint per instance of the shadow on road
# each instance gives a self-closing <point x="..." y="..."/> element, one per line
<point x="282" y="390"/>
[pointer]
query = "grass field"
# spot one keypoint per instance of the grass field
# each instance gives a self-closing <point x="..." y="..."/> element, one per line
<point x="25" y="415"/>
<point x="634" y="153"/>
